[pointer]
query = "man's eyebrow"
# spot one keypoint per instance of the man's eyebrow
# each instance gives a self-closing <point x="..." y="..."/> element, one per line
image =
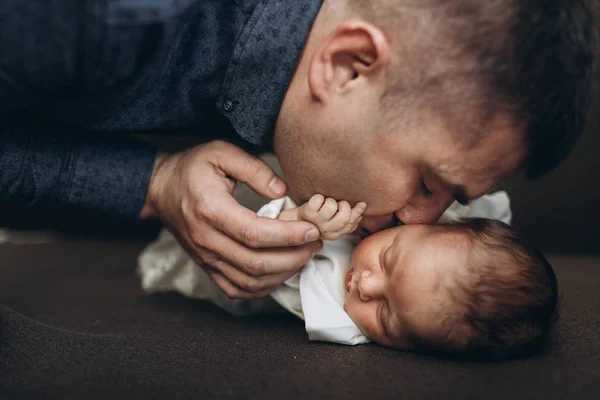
<point x="459" y="192"/>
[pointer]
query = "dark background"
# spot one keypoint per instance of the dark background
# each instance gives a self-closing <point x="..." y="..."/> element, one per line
<point x="558" y="213"/>
<point x="561" y="211"/>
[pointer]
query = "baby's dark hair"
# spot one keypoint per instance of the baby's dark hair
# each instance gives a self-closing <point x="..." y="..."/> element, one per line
<point x="507" y="301"/>
<point x="531" y="60"/>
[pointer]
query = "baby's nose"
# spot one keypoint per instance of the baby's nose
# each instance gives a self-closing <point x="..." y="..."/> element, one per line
<point x="369" y="286"/>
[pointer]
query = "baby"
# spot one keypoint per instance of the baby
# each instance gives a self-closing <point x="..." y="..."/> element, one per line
<point x="471" y="288"/>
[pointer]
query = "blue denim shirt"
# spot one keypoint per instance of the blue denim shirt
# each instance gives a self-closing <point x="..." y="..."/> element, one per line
<point x="77" y="78"/>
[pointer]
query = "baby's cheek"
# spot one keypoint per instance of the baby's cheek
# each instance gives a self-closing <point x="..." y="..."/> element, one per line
<point x="359" y="314"/>
<point x="365" y="317"/>
<point x="350" y="308"/>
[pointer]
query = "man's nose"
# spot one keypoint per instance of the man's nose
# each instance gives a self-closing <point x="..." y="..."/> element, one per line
<point x="370" y="285"/>
<point x="424" y="210"/>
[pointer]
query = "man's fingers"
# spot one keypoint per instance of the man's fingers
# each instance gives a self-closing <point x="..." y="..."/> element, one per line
<point x="249" y="169"/>
<point x="231" y="290"/>
<point x="262" y="261"/>
<point x="241" y="224"/>
<point x="234" y="282"/>
<point x="257" y="286"/>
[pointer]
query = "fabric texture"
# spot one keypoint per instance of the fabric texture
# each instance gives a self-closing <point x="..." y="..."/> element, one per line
<point x="87" y="75"/>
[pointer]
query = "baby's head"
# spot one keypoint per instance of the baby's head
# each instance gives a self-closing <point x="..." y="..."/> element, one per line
<point x="473" y="289"/>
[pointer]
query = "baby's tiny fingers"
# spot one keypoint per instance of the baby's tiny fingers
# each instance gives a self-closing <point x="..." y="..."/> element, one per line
<point x="309" y="210"/>
<point x="339" y="222"/>
<point x="357" y="212"/>
<point x="327" y="211"/>
<point x="316" y="202"/>
<point x="355" y="226"/>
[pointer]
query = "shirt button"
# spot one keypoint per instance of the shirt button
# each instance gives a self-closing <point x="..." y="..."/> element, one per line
<point x="228" y="105"/>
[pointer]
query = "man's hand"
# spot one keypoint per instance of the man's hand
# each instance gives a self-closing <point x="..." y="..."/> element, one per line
<point x="247" y="256"/>
<point x="333" y="218"/>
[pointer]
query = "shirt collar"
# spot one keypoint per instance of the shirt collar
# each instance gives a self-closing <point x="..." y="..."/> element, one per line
<point x="263" y="63"/>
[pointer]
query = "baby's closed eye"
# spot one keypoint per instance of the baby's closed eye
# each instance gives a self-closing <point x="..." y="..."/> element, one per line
<point x="382" y="317"/>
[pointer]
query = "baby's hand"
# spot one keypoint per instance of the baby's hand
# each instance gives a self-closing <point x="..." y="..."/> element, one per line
<point x="334" y="219"/>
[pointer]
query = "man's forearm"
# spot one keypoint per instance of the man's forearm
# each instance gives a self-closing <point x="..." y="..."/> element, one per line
<point x="40" y="163"/>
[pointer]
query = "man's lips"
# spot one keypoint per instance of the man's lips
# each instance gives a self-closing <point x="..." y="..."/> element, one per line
<point x="347" y="279"/>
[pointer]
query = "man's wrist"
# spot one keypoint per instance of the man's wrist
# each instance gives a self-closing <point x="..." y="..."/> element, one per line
<point x="149" y="209"/>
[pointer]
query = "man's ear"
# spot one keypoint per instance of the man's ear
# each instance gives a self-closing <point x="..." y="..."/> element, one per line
<point x="355" y="52"/>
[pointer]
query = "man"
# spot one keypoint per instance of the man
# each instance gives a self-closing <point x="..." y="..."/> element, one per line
<point x="405" y="105"/>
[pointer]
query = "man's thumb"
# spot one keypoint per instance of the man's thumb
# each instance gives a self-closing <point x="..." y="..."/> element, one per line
<point x="251" y="170"/>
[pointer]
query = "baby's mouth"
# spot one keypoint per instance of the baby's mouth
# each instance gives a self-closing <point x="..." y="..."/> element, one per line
<point x="348" y="279"/>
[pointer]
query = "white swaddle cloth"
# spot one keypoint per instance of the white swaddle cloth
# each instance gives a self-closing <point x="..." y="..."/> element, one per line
<point x="316" y="294"/>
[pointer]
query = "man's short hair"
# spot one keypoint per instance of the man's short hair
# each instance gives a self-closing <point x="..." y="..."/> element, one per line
<point x="530" y="58"/>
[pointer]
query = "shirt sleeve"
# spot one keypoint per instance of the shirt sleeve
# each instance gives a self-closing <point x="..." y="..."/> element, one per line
<point x="46" y="163"/>
<point x="51" y="49"/>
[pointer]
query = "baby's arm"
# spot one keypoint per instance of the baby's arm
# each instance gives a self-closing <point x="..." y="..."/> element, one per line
<point x="333" y="218"/>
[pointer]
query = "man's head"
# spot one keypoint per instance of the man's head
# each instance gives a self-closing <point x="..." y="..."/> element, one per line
<point x="409" y="105"/>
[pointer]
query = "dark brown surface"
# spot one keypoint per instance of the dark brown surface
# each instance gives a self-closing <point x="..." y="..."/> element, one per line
<point x="90" y="332"/>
